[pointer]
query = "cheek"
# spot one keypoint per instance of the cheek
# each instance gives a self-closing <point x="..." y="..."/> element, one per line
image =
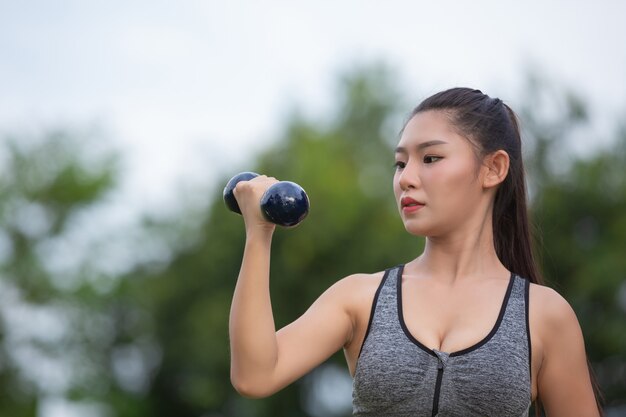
<point x="454" y="181"/>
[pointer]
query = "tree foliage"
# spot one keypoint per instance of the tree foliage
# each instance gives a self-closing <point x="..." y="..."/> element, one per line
<point x="46" y="183"/>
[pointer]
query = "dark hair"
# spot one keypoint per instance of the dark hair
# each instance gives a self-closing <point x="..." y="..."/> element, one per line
<point x="491" y="125"/>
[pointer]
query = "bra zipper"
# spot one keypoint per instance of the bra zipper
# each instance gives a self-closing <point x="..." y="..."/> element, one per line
<point x="437" y="387"/>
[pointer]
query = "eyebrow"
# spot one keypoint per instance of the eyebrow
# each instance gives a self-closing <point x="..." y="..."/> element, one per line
<point x="422" y="145"/>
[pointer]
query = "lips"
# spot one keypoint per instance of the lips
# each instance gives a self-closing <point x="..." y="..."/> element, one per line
<point x="410" y="205"/>
<point x="409" y="202"/>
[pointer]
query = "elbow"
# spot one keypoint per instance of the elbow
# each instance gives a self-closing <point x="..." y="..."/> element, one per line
<point x="249" y="391"/>
<point x="248" y="388"/>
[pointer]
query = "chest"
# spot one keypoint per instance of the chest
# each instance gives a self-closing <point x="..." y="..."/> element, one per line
<point x="450" y="319"/>
<point x="398" y="379"/>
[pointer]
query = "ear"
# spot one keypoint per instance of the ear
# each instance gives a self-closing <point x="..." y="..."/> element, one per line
<point x="495" y="168"/>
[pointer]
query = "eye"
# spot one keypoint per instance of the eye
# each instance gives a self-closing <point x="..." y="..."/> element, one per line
<point x="429" y="159"/>
<point x="399" y="165"/>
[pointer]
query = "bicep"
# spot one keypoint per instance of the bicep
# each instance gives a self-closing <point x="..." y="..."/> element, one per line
<point x="316" y="335"/>
<point x="564" y="382"/>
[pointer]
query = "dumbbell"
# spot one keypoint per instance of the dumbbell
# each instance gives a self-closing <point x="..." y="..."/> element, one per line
<point x="284" y="203"/>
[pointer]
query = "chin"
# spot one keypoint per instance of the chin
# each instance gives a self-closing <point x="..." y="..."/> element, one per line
<point x="418" y="230"/>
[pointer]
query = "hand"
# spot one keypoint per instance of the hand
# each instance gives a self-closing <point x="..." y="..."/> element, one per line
<point x="248" y="195"/>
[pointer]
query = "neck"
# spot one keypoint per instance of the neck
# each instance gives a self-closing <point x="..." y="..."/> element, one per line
<point x="461" y="255"/>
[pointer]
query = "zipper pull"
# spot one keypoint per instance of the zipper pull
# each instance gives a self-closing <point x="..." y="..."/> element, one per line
<point x="440" y="364"/>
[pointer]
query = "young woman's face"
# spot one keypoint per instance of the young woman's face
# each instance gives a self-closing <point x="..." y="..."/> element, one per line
<point x="436" y="181"/>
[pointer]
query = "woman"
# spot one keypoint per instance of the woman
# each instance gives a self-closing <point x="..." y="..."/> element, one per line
<point x="464" y="329"/>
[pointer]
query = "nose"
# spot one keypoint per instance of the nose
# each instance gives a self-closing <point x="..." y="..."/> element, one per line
<point x="408" y="177"/>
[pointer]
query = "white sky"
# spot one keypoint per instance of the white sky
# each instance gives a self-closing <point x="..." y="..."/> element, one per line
<point x="188" y="86"/>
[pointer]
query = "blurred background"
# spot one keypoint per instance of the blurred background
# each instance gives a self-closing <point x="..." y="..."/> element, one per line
<point x="120" y="123"/>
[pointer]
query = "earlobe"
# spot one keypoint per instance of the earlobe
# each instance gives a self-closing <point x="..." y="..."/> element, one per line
<point x="496" y="167"/>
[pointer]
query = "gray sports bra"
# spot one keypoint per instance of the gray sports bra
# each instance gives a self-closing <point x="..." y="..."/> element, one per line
<point x="398" y="376"/>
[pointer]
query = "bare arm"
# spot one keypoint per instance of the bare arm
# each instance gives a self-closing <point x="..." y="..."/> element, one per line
<point x="563" y="382"/>
<point x="262" y="360"/>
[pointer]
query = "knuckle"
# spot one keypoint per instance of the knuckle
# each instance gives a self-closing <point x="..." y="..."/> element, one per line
<point x="242" y="185"/>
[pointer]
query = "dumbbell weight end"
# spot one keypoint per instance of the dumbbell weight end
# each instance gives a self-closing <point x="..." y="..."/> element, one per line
<point x="285" y="203"/>
<point x="229" y="195"/>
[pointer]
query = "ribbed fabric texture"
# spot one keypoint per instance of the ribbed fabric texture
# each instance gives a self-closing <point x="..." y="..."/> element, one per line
<point x="397" y="376"/>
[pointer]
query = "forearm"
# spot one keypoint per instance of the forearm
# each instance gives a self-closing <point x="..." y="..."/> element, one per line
<point x="253" y="344"/>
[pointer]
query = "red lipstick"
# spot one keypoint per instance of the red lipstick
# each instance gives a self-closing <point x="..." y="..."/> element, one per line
<point x="410" y="205"/>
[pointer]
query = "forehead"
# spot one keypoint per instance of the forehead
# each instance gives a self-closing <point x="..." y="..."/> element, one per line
<point x="428" y="126"/>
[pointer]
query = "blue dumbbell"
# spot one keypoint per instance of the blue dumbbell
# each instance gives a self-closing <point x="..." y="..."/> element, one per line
<point x="284" y="203"/>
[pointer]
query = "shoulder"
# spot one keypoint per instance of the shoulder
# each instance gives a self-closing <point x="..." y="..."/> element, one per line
<point x="351" y="291"/>
<point x="355" y="292"/>
<point x="552" y="316"/>
<point x="550" y="306"/>
<point x="358" y="285"/>
<point x="363" y="279"/>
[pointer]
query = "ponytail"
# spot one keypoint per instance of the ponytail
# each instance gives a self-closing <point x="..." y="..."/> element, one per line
<point x="511" y="225"/>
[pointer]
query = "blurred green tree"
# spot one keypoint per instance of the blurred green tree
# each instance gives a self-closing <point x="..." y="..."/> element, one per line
<point x="46" y="184"/>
